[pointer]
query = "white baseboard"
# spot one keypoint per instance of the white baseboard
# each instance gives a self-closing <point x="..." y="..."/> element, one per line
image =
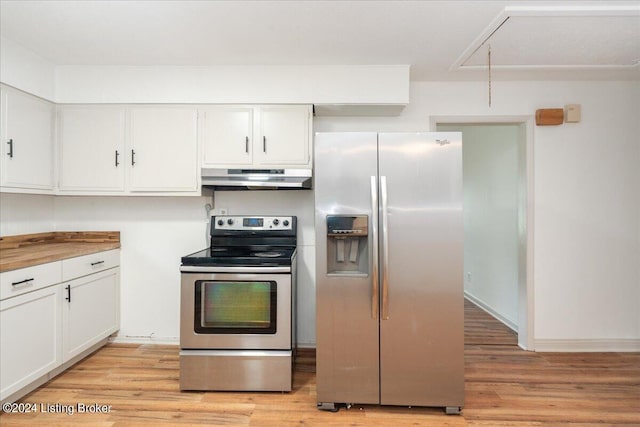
<point x="119" y="339"/>
<point x="587" y="345"/>
<point x="477" y="301"/>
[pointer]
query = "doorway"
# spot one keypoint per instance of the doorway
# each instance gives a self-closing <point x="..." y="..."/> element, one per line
<point x="497" y="189"/>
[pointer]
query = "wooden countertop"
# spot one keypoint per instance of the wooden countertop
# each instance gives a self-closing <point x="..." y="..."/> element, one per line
<point x="27" y="250"/>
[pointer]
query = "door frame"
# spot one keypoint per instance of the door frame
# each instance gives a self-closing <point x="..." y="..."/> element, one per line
<point x="526" y="303"/>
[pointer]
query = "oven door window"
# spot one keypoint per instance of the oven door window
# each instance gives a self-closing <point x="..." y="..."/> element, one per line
<point x="227" y="307"/>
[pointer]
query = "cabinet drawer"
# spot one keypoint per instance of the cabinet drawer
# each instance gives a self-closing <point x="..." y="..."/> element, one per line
<point x="87" y="264"/>
<point x="23" y="280"/>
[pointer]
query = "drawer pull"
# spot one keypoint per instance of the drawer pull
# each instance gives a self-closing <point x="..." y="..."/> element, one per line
<point x="68" y="288"/>
<point x="22" y="282"/>
<point x="93" y="264"/>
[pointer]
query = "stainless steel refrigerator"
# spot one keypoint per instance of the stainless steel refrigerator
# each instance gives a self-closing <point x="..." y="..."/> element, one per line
<point x="389" y="269"/>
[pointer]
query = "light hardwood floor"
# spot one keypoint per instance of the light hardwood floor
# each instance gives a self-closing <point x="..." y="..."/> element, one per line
<point x="504" y="386"/>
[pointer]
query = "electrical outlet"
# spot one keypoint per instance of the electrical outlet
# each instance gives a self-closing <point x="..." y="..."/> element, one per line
<point x="468" y="277"/>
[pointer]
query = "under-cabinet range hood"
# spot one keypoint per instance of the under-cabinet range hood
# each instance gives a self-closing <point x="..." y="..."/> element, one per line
<point x="257" y="179"/>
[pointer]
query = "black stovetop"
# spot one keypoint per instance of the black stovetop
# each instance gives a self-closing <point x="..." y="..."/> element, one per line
<point x="218" y="256"/>
<point x="248" y="241"/>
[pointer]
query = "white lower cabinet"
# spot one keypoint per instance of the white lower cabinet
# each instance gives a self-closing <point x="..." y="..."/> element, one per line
<point x="30" y="337"/>
<point x="45" y="323"/>
<point x="90" y="311"/>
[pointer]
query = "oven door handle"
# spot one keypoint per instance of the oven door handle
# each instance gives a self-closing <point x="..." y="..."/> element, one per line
<point x="245" y="269"/>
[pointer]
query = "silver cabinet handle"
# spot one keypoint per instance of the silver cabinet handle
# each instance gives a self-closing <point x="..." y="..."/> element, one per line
<point x="10" y="153"/>
<point x="264" y="144"/>
<point x="385" y="249"/>
<point x="375" y="291"/>
<point x="93" y="264"/>
<point x="246" y="144"/>
<point x="22" y="282"/>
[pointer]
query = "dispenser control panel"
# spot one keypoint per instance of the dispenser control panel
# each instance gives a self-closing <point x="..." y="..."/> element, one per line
<point x="347" y="225"/>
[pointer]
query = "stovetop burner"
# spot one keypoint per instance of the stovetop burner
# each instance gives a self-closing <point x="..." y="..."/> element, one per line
<point x="268" y="254"/>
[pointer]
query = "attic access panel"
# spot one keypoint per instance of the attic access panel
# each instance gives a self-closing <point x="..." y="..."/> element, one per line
<point x="558" y="38"/>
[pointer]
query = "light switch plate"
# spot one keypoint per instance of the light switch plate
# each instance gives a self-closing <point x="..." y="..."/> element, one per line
<point x="572" y="113"/>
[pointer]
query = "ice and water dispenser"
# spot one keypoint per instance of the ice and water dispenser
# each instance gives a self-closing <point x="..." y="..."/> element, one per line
<point x="347" y="244"/>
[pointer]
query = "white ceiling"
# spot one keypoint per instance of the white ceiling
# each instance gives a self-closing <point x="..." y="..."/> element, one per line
<point x="439" y="39"/>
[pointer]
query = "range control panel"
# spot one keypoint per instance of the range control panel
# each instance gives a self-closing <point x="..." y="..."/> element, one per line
<point x="239" y="223"/>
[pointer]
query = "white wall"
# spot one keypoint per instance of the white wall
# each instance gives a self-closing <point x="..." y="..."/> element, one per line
<point x="587" y="219"/>
<point x="23" y="69"/>
<point x="319" y="84"/>
<point x="491" y="229"/>
<point x="587" y="213"/>
<point x="157" y="231"/>
<point x="154" y="232"/>
<point x="587" y="199"/>
<point x="300" y="204"/>
<point x="26" y="214"/>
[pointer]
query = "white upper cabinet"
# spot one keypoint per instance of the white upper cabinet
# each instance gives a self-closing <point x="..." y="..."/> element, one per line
<point x="272" y="136"/>
<point x="227" y="133"/>
<point x="283" y="136"/>
<point x="119" y="150"/>
<point x="163" y="149"/>
<point x="27" y="142"/>
<point x="140" y="149"/>
<point x="92" y="148"/>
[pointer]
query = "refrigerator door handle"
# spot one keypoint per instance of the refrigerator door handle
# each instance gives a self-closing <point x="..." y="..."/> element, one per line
<point x="375" y="292"/>
<point x="385" y="249"/>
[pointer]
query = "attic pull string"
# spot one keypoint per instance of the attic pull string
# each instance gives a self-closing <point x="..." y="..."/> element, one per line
<point x="489" y="62"/>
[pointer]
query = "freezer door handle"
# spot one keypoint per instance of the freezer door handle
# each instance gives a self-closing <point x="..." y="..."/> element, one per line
<point x="385" y="248"/>
<point x="375" y="293"/>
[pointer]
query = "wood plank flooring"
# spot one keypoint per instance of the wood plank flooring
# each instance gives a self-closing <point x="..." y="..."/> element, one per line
<point x="504" y="386"/>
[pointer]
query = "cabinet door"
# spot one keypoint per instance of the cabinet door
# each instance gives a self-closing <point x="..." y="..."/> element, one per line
<point x="163" y="149"/>
<point x="27" y="141"/>
<point x="30" y="338"/>
<point x="283" y="136"/>
<point x="92" y="156"/>
<point x="91" y="310"/>
<point x="227" y="136"/>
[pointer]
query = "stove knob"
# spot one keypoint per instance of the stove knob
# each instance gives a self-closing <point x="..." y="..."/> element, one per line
<point x="220" y="222"/>
<point x="285" y="222"/>
<point x="230" y="221"/>
<point x="276" y="221"/>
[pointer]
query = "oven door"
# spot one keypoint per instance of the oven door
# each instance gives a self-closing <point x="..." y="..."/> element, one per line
<point x="235" y="311"/>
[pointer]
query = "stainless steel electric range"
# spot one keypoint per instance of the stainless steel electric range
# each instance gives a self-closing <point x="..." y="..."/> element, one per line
<point x="237" y="306"/>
